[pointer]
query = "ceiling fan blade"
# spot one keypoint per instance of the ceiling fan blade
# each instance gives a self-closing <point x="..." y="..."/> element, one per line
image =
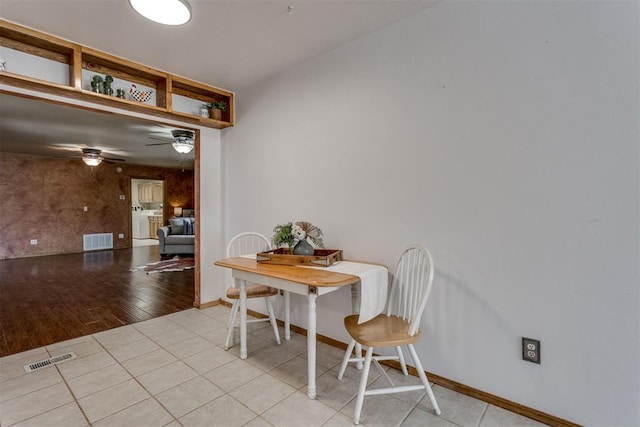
<point x="160" y="138"/>
<point x="158" y="143"/>
<point x="112" y="159"/>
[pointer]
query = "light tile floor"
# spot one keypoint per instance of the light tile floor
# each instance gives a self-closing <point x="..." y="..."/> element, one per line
<point x="173" y="371"/>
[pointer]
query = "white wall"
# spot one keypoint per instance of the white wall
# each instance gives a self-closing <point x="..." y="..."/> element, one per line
<point x="212" y="285"/>
<point x="503" y="136"/>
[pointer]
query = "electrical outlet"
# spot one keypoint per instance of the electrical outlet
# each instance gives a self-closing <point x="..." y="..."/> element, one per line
<point x="531" y="350"/>
<point x="121" y="236"/>
<point x="33" y="241"/>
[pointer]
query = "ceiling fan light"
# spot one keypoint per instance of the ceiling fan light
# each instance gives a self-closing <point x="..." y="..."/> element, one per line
<point x="91" y="160"/>
<point x="183" y="147"/>
<point x="167" y="12"/>
<point x="91" y="156"/>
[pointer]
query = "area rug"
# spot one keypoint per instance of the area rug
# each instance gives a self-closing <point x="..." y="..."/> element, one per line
<point x="174" y="264"/>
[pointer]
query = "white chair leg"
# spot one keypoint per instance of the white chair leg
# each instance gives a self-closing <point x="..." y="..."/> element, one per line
<point x="345" y="359"/>
<point x="363" y="385"/>
<point x="423" y="378"/>
<point x="232" y="324"/>
<point x="401" y="360"/>
<point x="358" y="354"/>
<point x="272" y="319"/>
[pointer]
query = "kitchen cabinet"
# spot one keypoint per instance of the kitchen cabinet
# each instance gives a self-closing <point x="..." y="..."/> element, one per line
<point x="155" y="222"/>
<point x="150" y="193"/>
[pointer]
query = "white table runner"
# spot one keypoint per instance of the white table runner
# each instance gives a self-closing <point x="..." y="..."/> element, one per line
<point x="374" y="283"/>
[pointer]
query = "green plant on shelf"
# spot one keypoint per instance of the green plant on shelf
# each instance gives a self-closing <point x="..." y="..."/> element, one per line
<point x="96" y="84"/>
<point x="218" y="105"/>
<point x="106" y="85"/>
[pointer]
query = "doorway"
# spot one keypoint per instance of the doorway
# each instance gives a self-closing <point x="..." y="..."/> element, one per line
<point x="147" y="199"/>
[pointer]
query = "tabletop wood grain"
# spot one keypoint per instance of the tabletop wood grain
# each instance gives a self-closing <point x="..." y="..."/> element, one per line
<point x="298" y="274"/>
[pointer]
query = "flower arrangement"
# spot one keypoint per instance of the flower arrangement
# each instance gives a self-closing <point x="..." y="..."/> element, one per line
<point x="291" y="233"/>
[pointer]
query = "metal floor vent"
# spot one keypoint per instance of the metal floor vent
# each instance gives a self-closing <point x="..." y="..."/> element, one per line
<point x="49" y="362"/>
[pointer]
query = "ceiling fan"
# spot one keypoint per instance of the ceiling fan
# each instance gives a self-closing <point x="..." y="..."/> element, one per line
<point x="182" y="141"/>
<point x="93" y="157"/>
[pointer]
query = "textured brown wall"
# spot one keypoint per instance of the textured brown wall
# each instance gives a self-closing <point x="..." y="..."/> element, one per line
<point x="43" y="198"/>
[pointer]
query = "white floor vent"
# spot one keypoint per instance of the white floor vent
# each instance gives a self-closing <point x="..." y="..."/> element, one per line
<point x="49" y="362"/>
<point x="93" y="242"/>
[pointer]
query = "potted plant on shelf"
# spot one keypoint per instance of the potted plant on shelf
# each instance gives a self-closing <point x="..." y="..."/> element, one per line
<point x="216" y="107"/>
<point x="96" y="84"/>
<point x="106" y="85"/>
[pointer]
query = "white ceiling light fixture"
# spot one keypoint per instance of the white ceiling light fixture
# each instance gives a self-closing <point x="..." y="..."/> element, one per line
<point x="167" y="12"/>
<point x="91" y="156"/>
<point x="183" y="141"/>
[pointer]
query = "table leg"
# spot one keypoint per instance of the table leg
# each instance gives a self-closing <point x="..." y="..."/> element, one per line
<point x="287" y="321"/>
<point x="243" y="319"/>
<point x="311" y="347"/>
<point x="355" y="309"/>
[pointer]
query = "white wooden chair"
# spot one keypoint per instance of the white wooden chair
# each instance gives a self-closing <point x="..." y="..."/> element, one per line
<point x="245" y="244"/>
<point x="399" y="326"/>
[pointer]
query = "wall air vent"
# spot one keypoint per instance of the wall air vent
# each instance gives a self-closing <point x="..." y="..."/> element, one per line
<point x="94" y="242"/>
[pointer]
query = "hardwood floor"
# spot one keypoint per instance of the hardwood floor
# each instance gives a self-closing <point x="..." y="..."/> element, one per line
<point x="48" y="299"/>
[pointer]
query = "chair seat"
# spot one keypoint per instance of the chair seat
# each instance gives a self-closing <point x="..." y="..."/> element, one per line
<point x="253" y="291"/>
<point x="381" y="331"/>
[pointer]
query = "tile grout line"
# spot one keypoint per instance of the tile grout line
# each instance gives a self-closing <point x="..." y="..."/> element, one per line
<point x="118" y="362"/>
<point x="75" y="399"/>
<point x="152" y="396"/>
<point x="63" y="381"/>
<point x="486" y="408"/>
<point x="180" y="359"/>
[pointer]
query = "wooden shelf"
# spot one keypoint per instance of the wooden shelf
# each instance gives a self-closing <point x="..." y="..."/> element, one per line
<point x="35" y="43"/>
<point x="78" y="58"/>
<point x="201" y="92"/>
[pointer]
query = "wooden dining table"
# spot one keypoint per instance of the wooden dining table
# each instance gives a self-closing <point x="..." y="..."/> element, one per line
<point x="311" y="282"/>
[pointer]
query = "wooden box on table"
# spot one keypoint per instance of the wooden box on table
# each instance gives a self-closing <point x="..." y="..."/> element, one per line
<point x="284" y="256"/>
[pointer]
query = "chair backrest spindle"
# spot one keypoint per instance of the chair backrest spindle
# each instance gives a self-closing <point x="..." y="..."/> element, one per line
<point x="245" y="244"/>
<point x="411" y="286"/>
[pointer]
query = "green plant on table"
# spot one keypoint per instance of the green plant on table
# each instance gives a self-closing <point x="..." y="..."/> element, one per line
<point x="287" y="235"/>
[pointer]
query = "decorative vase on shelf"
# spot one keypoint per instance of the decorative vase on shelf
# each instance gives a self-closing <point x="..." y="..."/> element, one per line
<point x="303" y="248"/>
